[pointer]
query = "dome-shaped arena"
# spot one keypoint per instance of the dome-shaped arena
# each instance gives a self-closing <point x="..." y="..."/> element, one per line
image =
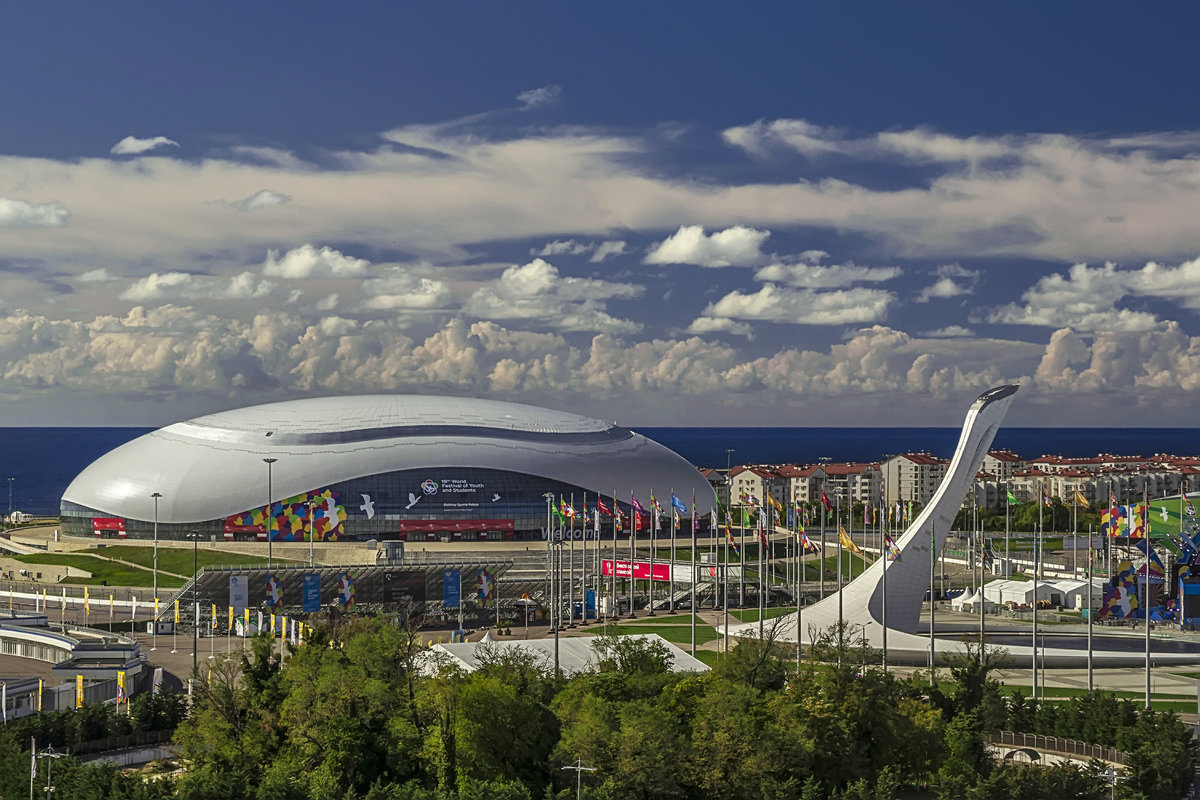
<point x="373" y="467"/>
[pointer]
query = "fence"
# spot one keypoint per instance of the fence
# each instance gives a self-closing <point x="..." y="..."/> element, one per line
<point x="1055" y="745"/>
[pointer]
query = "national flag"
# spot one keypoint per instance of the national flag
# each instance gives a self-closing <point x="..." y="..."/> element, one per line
<point x="729" y="531"/>
<point x="893" y="552"/>
<point x="805" y="544"/>
<point x="773" y="502"/>
<point x="825" y="502"/>
<point x="847" y="542"/>
<point x="1047" y="501"/>
<point x="678" y="504"/>
<point x="605" y="510"/>
<point x="1080" y="500"/>
<point x="1012" y="500"/>
<point x="568" y="510"/>
<point x="558" y="515"/>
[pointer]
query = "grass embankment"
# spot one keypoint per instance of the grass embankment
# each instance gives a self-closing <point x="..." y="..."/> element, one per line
<point x="104" y="571"/>
<point x="179" y="559"/>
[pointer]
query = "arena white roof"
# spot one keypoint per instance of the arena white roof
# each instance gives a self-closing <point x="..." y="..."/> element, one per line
<point x="575" y="653"/>
<point x="212" y="466"/>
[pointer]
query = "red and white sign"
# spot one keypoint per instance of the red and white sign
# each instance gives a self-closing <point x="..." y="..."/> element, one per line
<point x="641" y="570"/>
<point x="108" y="524"/>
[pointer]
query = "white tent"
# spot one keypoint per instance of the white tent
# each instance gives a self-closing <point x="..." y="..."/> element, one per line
<point x="1019" y="593"/>
<point x="969" y="601"/>
<point x="1075" y="593"/>
<point x="575" y="653"/>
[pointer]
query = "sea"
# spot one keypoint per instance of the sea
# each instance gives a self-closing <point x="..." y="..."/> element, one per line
<point x="41" y="462"/>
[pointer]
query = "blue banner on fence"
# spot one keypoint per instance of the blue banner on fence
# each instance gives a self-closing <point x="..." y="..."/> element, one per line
<point x="310" y="584"/>
<point x="451" y="588"/>
<point x="590" y="602"/>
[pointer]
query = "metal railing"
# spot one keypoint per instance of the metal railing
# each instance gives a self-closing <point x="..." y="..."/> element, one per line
<point x="1055" y="745"/>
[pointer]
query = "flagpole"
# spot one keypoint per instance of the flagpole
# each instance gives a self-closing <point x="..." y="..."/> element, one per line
<point x="932" y="601"/>
<point x="571" y="565"/>
<point x="633" y="524"/>
<point x="615" y="611"/>
<point x="695" y="544"/>
<point x="583" y="567"/>
<point x="671" y="573"/>
<point x="1091" y="612"/>
<point x="799" y="589"/>
<point x="1007" y="537"/>
<point x="1146" y="580"/>
<point x="762" y="521"/>
<point x="837" y="523"/>
<point x="883" y="553"/>
<point x="824" y="512"/>
<point x="1036" y="556"/>
<point x="741" y="558"/>
<point x="725" y="584"/>
<point x="653" y="532"/>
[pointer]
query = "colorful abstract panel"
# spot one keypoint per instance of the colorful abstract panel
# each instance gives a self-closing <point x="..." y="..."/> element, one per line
<point x="291" y="518"/>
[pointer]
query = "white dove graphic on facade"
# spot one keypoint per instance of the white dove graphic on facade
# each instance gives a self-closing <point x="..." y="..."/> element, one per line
<point x="367" y="506"/>
<point x="412" y="501"/>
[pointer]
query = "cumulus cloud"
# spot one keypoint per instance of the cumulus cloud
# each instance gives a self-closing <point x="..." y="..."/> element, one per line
<point x="949" y="332"/>
<point x="774" y="303"/>
<point x="821" y="276"/>
<point x="601" y="251"/>
<point x="183" y="286"/>
<point x="307" y="261"/>
<point x="735" y="246"/>
<point x="536" y="291"/>
<point x="263" y="198"/>
<point x="398" y="289"/>
<point x="20" y="214"/>
<point x="100" y="275"/>
<point x="131" y="145"/>
<point x="1089" y="298"/>
<point x="705" y="325"/>
<point x="607" y="250"/>
<point x="544" y="96"/>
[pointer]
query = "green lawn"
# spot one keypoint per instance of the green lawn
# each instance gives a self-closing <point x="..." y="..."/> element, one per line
<point x="103" y="571"/>
<point x="179" y="560"/>
<point x="672" y="619"/>
<point x="676" y="634"/>
<point x="751" y="614"/>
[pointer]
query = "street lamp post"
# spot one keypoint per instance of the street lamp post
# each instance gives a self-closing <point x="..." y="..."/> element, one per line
<point x="10" y="487"/>
<point x="311" y="530"/>
<point x="154" y="622"/>
<point x="267" y="514"/>
<point x="195" y="537"/>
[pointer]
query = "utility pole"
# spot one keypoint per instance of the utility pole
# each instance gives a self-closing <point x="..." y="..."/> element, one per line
<point x="579" y="770"/>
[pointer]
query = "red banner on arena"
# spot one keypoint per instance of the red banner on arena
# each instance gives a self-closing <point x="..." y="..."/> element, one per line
<point x="108" y="524"/>
<point x="231" y="528"/>
<point x="455" y="525"/>
<point x="641" y="570"/>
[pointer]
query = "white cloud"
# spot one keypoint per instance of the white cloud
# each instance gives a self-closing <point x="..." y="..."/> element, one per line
<point x="735" y="246"/>
<point x="263" y="198"/>
<point x="307" y="261"/>
<point x="774" y="303"/>
<point x="20" y="214"/>
<point x="544" y="96"/>
<point x="704" y="325"/>
<point x="397" y="288"/>
<point x="942" y="288"/>
<point x="949" y="332"/>
<point x="100" y="275"/>
<point x="535" y="291"/>
<point x="131" y="145"/>
<point x="562" y="247"/>
<point x="328" y="302"/>
<point x="606" y="250"/>
<point x="183" y="286"/>
<point x="157" y="285"/>
<point x="821" y="276"/>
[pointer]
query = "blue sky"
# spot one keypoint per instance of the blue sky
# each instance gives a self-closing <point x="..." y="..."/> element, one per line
<point x="862" y="214"/>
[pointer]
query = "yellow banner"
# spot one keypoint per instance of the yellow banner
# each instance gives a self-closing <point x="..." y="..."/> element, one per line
<point x="79" y="691"/>
<point x="176" y="612"/>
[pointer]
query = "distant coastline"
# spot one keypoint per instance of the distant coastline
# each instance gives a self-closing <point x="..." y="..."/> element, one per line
<point x="43" y="461"/>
